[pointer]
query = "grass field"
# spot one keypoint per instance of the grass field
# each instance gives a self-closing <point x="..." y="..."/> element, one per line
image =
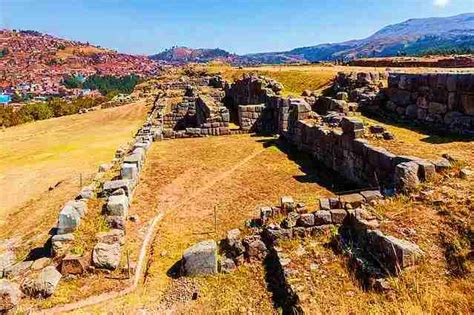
<point x="39" y="155"/>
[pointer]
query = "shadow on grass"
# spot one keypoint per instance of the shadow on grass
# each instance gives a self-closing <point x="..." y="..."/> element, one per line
<point x="314" y="172"/>
<point x="434" y="135"/>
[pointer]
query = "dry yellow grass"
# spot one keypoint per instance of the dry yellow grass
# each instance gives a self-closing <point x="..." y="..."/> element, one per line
<point x="36" y="156"/>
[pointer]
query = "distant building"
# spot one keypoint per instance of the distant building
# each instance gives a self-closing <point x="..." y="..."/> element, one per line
<point x="5" y="99"/>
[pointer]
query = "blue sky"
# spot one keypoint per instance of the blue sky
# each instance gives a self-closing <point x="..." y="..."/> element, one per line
<point x="240" y="26"/>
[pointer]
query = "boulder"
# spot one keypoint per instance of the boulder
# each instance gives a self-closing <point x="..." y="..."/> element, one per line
<point x="200" y="259"/>
<point x="117" y="206"/>
<point x="396" y="254"/>
<point x="111" y="237"/>
<point x="406" y="176"/>
<point x="69" y="219"/>
<point x="442" y="164"/>
<point x="10" y="296"/>
<point x="426" y="170"/>
<point x="7" y="259"/>
<point x="129" y="171"/>
<point x="43" y="285"/>
<point x="87" y="192"/>
<point x="106" y="256"/>
<point x="60" y="244"/>
<point x="17" y="269"/>
<point x="73" y="265"/>
<point x="110" y="186"/>
<point x="79" y="205"/>
<point x="41" y="263"/>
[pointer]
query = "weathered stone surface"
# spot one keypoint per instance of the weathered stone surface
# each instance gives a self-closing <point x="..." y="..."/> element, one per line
<point x="287" y="203"/>
<point x="426" y="170"/>
<point x="110" y="186"/>
<point x="106" y="256"/>
<point x="306" y="220"/>
<point x="115" y="222"/>
<point x="338" y="216"/>
<point x="370" y="195"/>
<point x="87" y="192"/>
<point x="79" y="205"/>
<point x="17" y="269"/>
<point x="69" y="219"/>
<point x="395" y="253"/>
<point x="73" y="265"/>
<point x="41" y="263"/>
<point x="322" y="217"/>
<point x="60" y="244"/>
<point x="200" y="259"/>
<point x="129" y="171"/>
<point x="44" y="285"/>
<point x="437" y="108"/>
<point x="352" y="126"/>
<point x="406" y="176"/>
<point x="111" y="237"/>
<point x="273" y="235"/>
<point x="324" y="204"/>
<point x="255" y="248"/>
<point x="118" y="206"/>
<point x="355" y="200"/>
<point x="7" y="259"/>
<point x="442" y="164"/>
<point x="10" y="296"/>
<point x="291" y="220"/>
<point x="411" y="111"/>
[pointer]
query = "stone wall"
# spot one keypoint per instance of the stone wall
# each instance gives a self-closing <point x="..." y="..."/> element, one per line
<point x="249" y="116"/>
<point x="439" y="99"/>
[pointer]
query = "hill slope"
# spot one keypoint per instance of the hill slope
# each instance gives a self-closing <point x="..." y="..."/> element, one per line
<point x="185" y="54"/>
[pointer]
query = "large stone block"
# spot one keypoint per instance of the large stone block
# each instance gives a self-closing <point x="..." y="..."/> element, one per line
<point x="394" y="253"/>
<point x="106" y="256"/>
<point x="200" y="259"/>
<point x="110" y="186"/>
<point x="118" y="205"/>
<point x="44" y="284"/>
<point x="60" y="244"/>
<point x="7" y="259"/>
<point x="354" y="200"/>
<point x="129" y="171"/>
<point x="10" y="296"/>
<point x="322" y="217"/>
<point x="406" y="176"/>
<point x="73" y="265"/>
<point x="68" y="221"/>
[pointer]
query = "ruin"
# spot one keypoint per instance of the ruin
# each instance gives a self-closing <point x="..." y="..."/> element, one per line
<point x="323" y="127"/>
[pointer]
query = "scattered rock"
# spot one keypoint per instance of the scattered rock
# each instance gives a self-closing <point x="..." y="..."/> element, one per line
<point x="465" y="173"/>
<point x="442" y="164"/>
<point x="106" y="256"/>
<point x="73" y="265"/>
<point x="43" y="285"/>
<point x="41" y="263"/>
<point x="115" y="222"/>
<point x="10" y="296"/>
<point x="60" y="244"/>
<point x="17" y="269"/>
<point x="200" y="259"/>
<point x="7" y="259"/>
<point x="111" y="237"/>
<point x="406" y="176"/>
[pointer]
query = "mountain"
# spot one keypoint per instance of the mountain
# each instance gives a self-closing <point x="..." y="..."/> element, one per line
<point x="411" y="37"/>
<point x="185" y="54"/>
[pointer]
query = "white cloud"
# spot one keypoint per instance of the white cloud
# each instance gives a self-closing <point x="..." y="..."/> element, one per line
<point x="441" y="3"/>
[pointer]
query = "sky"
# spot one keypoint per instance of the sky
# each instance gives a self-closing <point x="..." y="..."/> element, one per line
<point x="239" y="26"/>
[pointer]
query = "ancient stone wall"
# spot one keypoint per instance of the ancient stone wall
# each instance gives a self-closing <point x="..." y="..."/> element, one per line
<point x="440" y="99"/>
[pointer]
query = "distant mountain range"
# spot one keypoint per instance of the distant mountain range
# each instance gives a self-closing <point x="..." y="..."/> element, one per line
<point x="412" y="37"/>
